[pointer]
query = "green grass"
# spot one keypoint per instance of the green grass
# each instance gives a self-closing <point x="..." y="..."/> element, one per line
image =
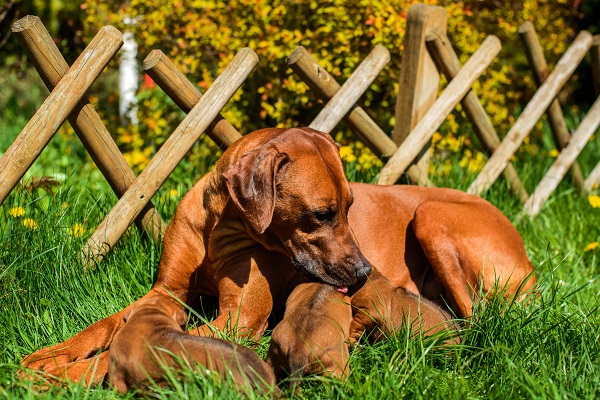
<point x="546" y="348"/>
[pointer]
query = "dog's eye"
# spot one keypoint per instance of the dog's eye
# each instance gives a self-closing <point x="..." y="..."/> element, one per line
<point x="325" y="215"/>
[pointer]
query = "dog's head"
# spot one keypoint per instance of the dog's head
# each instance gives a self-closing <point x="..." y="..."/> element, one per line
<point x="292" y="192"/>
<point x="159" y="305"/>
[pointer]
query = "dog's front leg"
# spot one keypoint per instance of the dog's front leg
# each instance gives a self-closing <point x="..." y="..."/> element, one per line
<point x="246" y="293"/>
<point x="76" y="353"/>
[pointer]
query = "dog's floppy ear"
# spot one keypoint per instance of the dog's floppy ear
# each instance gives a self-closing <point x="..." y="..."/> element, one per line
<point x="251" y="181"/>
<point x="180" y="317"/>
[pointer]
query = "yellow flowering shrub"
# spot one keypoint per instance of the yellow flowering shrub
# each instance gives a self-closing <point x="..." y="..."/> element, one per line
<point x="202" y="36"/>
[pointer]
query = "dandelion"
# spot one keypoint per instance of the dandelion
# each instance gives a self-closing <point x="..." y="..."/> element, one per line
<point x="77" y="230"/>
<point x="173" y="192"/>
<point x="17" y="212"/>
<point x="30" y="223"/>
<point x="591" y="246"/>
<point x="347" y="154"/>
<point x="553" y="153"/>
<point x="594" y="201"/>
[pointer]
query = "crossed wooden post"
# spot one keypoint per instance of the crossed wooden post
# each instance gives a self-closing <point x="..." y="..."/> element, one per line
<point x="433" y="119"/>
<point x="52" y="67"/>
<point x="67" y="100"/>
<point x="357" y="119"/>
<point x="539" y="67"/>
<point x="447" y="61"/>
<point x="540" y="102"/>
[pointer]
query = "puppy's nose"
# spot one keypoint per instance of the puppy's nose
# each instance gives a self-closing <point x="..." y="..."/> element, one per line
<point x="364" y="270"/>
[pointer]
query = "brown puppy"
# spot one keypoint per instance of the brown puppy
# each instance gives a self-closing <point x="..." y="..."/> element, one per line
<point x="277" y="201"/>
<point x="154" y="337"/>
<point x="379" y="309"/>
<point x="312" y="338"/>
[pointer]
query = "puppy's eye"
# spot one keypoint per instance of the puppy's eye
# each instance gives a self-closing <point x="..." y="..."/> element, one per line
<point x="325" y="215"/>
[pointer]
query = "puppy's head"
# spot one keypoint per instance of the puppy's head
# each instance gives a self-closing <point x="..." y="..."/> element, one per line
<point x="161" y="306"/>
<point x="292" y="191"/>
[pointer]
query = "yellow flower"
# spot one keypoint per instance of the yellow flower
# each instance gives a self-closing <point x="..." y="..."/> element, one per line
<point x="591" y="246"/>
<point x="553" y="153"/>
<point x="347" y="154"/>
<point x="77" y="230"/>
<point x="17" y="211"/>
<point x="30" y="223"/>
<point x="594" y="201"/>
<point x="173" y="192"/>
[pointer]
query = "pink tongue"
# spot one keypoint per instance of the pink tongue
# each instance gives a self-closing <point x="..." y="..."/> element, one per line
<point x="343" y="289"/>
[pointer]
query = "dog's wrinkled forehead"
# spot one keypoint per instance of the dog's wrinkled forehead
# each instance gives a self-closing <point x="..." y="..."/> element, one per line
<point x="314" y="166"/>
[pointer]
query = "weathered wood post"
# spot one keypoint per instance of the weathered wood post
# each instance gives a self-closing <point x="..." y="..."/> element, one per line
<point x="595" y="63"/>
<point x="436" y="115"/>
<point x="345" y="99"/>
<point x="325" y="87"/>
<point x="162" y="70"/>
<point x="539" y="67"/>
<point x="532" y="113"/>
<point x="565" y="159"/>
<point x="56" y="108"/>
<point x="419" y="79"/>
<point x="591" y="182"/>
<point x="170" y="154"/>
<point x="447" y="61"/>
<point x="87" y="124"/>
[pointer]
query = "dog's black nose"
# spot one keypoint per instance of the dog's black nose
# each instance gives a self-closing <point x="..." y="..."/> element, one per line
<point x="363" y="271"/>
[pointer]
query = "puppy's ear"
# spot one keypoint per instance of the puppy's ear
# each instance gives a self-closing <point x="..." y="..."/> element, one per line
<point x="130" y="311"/>
<point x="251" y="181"/>
<point x="180" y="317"/>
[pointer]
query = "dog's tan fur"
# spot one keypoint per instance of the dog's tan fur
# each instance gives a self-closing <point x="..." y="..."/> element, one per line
<point x="379" y="309"/>
<point x="276" y="202"/>
<point x="312" y="338"/>
<point x="154" y="337"/>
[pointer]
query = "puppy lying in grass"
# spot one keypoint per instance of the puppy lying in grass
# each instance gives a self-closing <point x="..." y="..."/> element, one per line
<point x="312" y="338"/>
<point x="155" y="337"/>
<point x="379" y="309"/>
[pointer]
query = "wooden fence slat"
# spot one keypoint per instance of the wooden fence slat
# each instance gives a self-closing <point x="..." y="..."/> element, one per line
<point x="539" y="67"/>
<point x="447" y="61"/>
<point x="593" y="179"/>
<point x="360" y="80"/>
<point x="164" y="72"/>
<point x="595" y="63"/>
<point x="419" y="79"/>
<point x="565" y="159"/>
<point x="532" y="113"/>
<point x="170" y="154"/>
<point x="56" y="108"/>
<point x="51" y="65"/>
<point x="436" y="115"/>
<point x="325" y="87"/>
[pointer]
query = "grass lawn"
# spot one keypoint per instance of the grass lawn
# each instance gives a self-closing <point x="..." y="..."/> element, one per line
<point x="546" y="348"/>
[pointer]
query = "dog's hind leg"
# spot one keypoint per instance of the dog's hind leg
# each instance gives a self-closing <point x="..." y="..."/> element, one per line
<point x="472" y="246"/>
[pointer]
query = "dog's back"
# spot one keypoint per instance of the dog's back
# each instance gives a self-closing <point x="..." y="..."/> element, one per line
<point x="153" y="338"/>
<point x="312" y="337"/>
<point x="380" y="309"/>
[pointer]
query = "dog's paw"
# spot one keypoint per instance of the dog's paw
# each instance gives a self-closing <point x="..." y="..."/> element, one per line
<point x="45" y="360"/>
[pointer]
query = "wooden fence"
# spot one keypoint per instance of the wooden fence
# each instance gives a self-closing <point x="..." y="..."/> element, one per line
<point x="419" y="113"/>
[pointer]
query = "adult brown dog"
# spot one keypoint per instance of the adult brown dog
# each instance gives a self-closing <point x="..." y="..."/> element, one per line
<point x="155" y="332"/>
<point x="379" y="309"/>
<point x="278" y="202"/>
<point x="312" y="338"/>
